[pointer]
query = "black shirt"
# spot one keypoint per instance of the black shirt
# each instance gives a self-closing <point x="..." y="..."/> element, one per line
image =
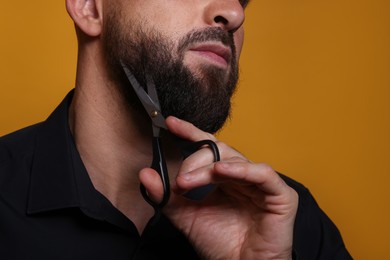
<point x="49" y="208"/>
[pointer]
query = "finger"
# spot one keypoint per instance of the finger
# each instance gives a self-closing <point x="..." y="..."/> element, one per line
<point x="261" y="175"/>
<point x="187" y="130"/>
<point x="152" y="183"/>
<point x="205" y="156"/>
<point x="204" y="175"/>
<point x="199" y="177"/>
<point x="200" y="158"/>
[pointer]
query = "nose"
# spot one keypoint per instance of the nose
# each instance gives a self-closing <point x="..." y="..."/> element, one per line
<point x="227" y="14"/>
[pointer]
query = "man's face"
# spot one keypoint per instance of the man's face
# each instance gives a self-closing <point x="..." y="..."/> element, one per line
<point x="190" y="49"/>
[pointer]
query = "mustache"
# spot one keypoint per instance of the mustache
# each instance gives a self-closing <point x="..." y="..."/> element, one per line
<point x="208" y="34"/>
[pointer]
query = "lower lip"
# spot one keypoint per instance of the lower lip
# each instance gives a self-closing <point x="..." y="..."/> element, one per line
<point x="211" y="56"/>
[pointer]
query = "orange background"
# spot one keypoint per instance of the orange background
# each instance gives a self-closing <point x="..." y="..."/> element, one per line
<point x="313" y="99"/>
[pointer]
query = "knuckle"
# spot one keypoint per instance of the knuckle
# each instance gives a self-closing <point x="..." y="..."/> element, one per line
<point x="222" y="146"/>
<point x="211" y="137"/>
<point x="266" y="169"/>
<point x="228" y="152"/>
<point x="188" y="166"/>
<point x="239" y="159"/>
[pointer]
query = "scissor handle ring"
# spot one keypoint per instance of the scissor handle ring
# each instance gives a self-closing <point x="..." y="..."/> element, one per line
<point x="189" y="148"/>
<point x="158" y="164"/>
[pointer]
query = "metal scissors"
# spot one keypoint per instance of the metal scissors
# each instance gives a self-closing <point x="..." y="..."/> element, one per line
<point x="149" y="100"/>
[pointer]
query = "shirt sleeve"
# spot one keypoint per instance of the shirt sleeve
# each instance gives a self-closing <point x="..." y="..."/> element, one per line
<point x="315" y="235"/>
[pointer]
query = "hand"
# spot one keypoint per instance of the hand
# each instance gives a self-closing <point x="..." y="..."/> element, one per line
<point x="251" y="213"/>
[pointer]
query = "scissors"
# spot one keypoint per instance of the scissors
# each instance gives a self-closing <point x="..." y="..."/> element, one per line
<point x="150" y="102"/>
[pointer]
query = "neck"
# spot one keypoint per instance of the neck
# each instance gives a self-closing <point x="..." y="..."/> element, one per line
<point x="111" y="140"/>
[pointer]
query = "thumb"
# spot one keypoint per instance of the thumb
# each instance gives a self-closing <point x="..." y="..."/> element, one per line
<point x="151" y="180"/>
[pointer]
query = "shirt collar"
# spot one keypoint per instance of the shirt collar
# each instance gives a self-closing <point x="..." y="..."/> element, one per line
<point x="58" y="176"/>
<point x="59" y="179"/>
<point x="51" y="185"/>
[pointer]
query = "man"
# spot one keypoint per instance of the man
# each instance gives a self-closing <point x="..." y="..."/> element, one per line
<point x="69" y="187"/>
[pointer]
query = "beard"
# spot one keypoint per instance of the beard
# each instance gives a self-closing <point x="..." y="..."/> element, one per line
<point x="202" y="97"/>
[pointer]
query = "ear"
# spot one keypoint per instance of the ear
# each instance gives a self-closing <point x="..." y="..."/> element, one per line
<point x="87" y="15"/>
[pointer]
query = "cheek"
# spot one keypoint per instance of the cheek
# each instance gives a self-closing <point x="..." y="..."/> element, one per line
<point x="239" y="40"/>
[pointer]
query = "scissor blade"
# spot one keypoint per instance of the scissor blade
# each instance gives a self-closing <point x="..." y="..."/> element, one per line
<point x="152" y="91"/>
<point x="149" y="104"/>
